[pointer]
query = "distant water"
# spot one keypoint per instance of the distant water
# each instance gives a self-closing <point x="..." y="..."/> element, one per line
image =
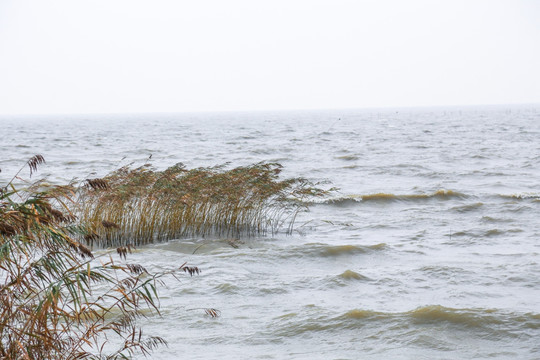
<point x="430" y="250"/>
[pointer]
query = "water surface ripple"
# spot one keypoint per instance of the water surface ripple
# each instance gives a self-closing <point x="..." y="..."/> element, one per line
<point x="430" y="249"/>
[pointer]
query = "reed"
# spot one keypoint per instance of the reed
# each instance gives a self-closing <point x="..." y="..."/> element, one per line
<point x="57" y="299"/>
<point x="143" y="205"/>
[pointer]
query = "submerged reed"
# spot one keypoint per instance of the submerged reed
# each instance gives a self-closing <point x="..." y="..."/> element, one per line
<point x="143" y="205"/>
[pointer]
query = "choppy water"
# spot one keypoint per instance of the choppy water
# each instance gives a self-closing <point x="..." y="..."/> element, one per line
<point x="431" y="249"/>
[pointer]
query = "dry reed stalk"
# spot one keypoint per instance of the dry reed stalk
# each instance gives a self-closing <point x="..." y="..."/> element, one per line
<point x="49" y="307"/>
<point x="146" y="205"/>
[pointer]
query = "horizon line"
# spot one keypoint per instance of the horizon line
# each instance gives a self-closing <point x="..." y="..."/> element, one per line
<point x="367" y="108"/>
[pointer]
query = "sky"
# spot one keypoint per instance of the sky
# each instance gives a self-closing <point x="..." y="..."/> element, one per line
<point x="130" y="56"/>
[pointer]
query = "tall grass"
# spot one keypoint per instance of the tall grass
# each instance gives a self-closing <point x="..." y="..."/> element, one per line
<point x="57" y="300"/>
<point x="142" y="205"/>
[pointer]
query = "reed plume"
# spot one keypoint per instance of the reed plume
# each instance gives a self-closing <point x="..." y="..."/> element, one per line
<point x="50" y="307"/>
<point x="143" y="205"/>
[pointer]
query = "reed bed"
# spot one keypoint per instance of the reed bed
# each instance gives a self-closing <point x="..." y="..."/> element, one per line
<point x="142" y="205"/>
<point x="57" y="299"/>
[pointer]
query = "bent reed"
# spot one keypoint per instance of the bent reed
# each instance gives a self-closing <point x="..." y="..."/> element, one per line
<point x="143" y="205"/>
<point x="59" y="300"/>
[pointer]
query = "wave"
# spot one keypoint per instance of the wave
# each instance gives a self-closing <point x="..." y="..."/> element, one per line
<point x="484" y="322"/>
<point x="338" y="250"/>
<point x="354" y="199"/>
<point x="352" y="275"/>
<point x="445" y="272"/>
<point x="325" y="250"/>
<point x="468" y="207"/>
<point x="466" y="317"/>
<point x="226" y="288"/>
<point x="389" y="197"/>
<point x="346" y="278"/>
<point x="362" y="314"/>
<point x="524" y="196"/>
<point x="348" y="157"/>
<point x="494" y="232"/>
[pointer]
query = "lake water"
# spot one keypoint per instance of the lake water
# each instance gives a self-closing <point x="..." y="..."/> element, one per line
<point x="430" y="249"/>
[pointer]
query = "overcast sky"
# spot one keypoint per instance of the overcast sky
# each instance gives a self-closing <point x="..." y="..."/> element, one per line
<point x="102" y="56"/>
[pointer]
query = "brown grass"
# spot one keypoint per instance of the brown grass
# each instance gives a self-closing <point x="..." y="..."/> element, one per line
<point x="143" y="205"/>
<point x="49" y="305"/>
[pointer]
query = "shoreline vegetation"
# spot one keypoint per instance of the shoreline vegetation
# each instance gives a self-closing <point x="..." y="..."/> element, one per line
<point x="58" y="300"/>
<point x="143" y="205"/>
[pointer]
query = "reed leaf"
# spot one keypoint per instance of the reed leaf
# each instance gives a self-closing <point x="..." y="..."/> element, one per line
<point x="50" y="307"/>
<point x="142" y="205"/>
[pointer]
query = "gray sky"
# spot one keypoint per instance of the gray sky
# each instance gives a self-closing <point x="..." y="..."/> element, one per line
<point x="96" y="56"/>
